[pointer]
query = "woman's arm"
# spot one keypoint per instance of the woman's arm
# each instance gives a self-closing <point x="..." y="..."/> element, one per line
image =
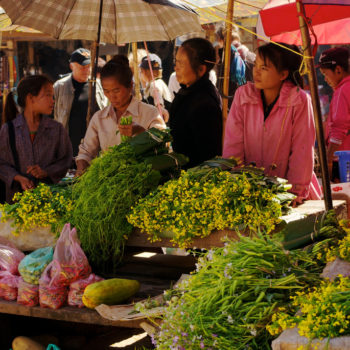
<point x="57" y="169"/>
<point x="90" y="146"/>
<point x="301" y="159"/>
<point x="7" y="168"/>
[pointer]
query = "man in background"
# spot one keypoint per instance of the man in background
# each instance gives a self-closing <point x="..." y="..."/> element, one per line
<point x="72" y="97"/>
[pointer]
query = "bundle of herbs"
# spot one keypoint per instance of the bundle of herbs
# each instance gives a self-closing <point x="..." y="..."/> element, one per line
<point x="43" y="206"/>
<point x="103" y="196"/>
<point x="227" y="303"/>
<point x="208" y="198"/>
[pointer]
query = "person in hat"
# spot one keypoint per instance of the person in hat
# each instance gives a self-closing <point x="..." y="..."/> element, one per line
<point x="72" y="96"/>
<point x="334" y="65"/>
<point x="156" y="90"/>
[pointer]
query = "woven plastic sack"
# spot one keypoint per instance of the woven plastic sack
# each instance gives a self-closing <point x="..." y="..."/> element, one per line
<point x="69" y="261"/>
<point x="8" y="286"/>
<point x="51" y="296"/>
<point x="28" y="294"/>
<point x="76" y="290"/>
<point x="33" y="264"/>
<point x="10" y="258"/>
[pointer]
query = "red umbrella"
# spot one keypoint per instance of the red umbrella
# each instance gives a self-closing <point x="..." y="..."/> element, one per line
<point x="281" y="16"/>
<point x="332" y="33"/>
<point x="330" y="21"/>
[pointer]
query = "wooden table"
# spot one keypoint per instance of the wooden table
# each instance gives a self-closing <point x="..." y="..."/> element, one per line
<point x="156" y="273"/>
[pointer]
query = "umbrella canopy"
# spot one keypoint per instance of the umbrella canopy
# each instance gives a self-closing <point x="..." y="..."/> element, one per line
<point x="280" y="16"/>
<point x="332" y="33"/>
<point x="210" y="11"/>
<point x="122" y="20"/>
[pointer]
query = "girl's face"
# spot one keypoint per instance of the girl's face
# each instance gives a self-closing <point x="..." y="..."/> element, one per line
<point x="266" y="76"/>
<point x="184" y="72"/>
<point x="44" y="102"/>
<point x="117" y="94"/>
<point x="332" y="77"/>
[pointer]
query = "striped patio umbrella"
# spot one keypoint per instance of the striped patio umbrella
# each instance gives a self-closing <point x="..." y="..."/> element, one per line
<point x="122" y="21"/>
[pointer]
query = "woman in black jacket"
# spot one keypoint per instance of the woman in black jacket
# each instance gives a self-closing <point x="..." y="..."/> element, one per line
<point x="196" y="114"/>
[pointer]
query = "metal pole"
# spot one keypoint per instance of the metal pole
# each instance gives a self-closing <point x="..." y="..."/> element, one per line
<point x="94" y="62"/>
<point x="316" y="105"/>
<point x="227" y="60"/>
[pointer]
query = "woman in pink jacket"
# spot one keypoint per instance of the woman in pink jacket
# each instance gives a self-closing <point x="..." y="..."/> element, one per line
<point x="271" y="123"/>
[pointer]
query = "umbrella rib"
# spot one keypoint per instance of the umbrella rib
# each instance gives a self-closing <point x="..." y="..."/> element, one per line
<point x="65" y="20"/>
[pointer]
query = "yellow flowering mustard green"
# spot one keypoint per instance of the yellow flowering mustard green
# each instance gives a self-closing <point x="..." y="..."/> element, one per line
<point x="337" y="244"/>
<point x="203" y="200"/>
<point x="43" y="206"/>
<point x="324" y="311"/>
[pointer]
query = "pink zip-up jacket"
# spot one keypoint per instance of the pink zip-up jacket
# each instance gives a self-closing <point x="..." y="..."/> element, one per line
<point x="283" y="144"/>
<point x="338" y="122"/>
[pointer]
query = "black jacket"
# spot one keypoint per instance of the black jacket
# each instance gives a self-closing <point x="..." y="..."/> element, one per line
<point x="196" y="122"/>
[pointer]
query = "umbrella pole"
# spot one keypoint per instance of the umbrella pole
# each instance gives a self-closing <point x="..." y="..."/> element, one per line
<point x="227" y="61"/>
<point x="316" y="105"/>
<point x="136" y="71"/>
<point x="94" y="61"/>
<point x="92" y="85"/>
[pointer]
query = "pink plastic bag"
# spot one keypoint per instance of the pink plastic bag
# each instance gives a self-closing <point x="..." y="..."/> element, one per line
<point x="8" y="285"/>
<point x="28" y="294"/>
<point x="69" y="261"/>
<point x="51" y="296"/>
<point x="10" y="258"/>
<point x="7" y="243"/>
<point x="76" y="290"/>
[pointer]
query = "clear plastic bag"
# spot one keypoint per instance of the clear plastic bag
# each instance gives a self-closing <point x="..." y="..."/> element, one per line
<point x="51" y="296"/>
<point x="76" y="290"/>
<point x="28" y="294"/>
<point x="10" y="258"/>
<point x="8" y="285"/>
<point x="69" y="261"/>
<point x="32" y="265"/>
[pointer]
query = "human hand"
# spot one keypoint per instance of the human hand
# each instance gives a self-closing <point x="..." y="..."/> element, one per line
<point x="165" y="114"/>
<point x="25" y="183"/>
<point x="131" y="129"/>
<point x="36" y="171"/>
<point x="297" y="201"/>
<point x="82" y="165"/>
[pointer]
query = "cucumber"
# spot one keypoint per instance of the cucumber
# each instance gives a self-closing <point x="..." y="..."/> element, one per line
<point x="109" y="292"/>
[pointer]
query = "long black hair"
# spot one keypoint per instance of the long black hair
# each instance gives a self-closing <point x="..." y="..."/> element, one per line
<point x="32" y="84"/>
<point x="284" y="59"/>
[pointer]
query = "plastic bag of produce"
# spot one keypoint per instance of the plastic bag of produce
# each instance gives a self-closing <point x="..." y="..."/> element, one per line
<point x="10" y="258"/>
<point x="69" y="261"/>
<point x="32" y="266"/>
<point x="76" y="290"/>
<point x="28" y="294"/>
<point x="51" y="296"/>
<point x="8" y="285"/>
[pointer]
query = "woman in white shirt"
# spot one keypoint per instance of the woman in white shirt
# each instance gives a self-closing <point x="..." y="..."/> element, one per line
<point x="103" y="130"/>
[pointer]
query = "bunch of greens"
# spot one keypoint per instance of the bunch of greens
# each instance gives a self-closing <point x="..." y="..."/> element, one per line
<point x="43" y="206"/>
<point x="208" y="198"/>
<point x="231" y="298"/>
<point x="104" y="195"/>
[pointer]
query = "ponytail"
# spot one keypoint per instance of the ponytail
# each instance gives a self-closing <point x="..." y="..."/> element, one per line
<point x="10" y="110"/>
